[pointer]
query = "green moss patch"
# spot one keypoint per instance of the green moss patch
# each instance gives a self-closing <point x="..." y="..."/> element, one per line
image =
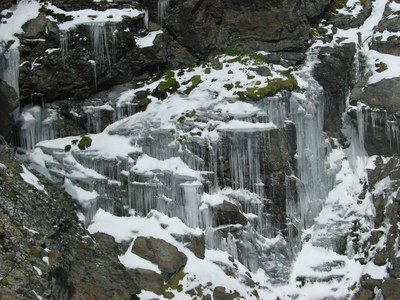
<point x="243" y="56"/>
<point x="274" y="86"/>
<point x="195" y="81"/>
<point x="169" y="85"/>
<point x="380" y="67"/>
<point x="173" y="282"/>
<point x="85" y="142"/>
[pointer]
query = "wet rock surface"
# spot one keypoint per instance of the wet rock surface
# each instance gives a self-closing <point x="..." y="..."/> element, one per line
<point x="337" y="61"/>
<point x="8" y="104"/>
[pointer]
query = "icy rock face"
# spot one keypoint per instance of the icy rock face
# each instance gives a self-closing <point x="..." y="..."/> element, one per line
<point x="337" y="60"/>
<point x="81" y="59"/>
<point x="377" y="116"/>
<point x="239" y="186"/>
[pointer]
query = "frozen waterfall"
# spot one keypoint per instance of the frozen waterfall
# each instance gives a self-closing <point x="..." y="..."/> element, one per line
<point x="162" y="8"/>
<point x="37" y="125"/>
<point x="102" y="35"/>
<point x="9" y="67"/>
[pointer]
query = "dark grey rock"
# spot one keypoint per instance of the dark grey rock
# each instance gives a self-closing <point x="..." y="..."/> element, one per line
<point x="228" y="213"/>
<point x="196" y="243"/>
<point x="148" y="280"/>
<point x="8" y="103"/>
<point x="161" y="253"/>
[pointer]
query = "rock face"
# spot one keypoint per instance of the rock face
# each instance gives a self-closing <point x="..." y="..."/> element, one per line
<point x="337" y="61"/>
<point x="74" y="76"/>
<point x="193" y="30"/>
<point x="43" y="249"/>
<point x="205" y="27"/>
<point x="8" y="103"/>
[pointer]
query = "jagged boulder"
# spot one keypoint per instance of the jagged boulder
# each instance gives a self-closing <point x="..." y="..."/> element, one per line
<point x="228" y="213"/>
<point x="220" y="293"/>
<point x="196" y="243"/>
<point x="148" y="280"/>
<point x="168" y="258"/>
<point x="5" y="4"/>
<point x="8" y="103"/>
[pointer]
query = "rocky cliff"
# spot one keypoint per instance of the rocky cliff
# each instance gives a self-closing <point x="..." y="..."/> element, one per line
<point x="211" y="149"/>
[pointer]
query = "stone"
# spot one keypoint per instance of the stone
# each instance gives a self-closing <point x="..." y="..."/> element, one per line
<point x="206" y="27"/>
<point x="196" y="243"/>
<point x="161" y="253"/>
<point x="220" y="293"/>
<point x="228" y="213"/>
<point x="381" y="95"/>
<point x="148" y="280"/>
<point x="391" y="288"/>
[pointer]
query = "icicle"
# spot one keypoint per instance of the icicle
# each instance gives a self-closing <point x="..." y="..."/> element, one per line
<point x="114" y="31"/>
<point x="162" y="8"/>
<point x="93" y="63"/>
<point x="192" y="203"/>
<point x="393" y="134"/>
<point x="146" y="19"/>
<point x="98" y="36"/>
<point x="37" y="125"/>
<point x="9" y="68"/>
<point x="64" y="43"/>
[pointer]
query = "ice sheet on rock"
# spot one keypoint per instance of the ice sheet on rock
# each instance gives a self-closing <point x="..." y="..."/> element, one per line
<point x="30" y="178"/>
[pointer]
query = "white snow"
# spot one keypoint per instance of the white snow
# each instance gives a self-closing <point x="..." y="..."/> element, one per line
<point x="242" y="125"/>
<point x="148" y="165"/>
<point x="148" y="40"/>
<point x="376" y="272"/>
<point x="133" y="261"/>
<point x="38" y="271"/>
<point x="24" y="11"/>
<point x="30" y="178"/>
<point x="3" y="166"/>
<point x="82" y="196"/>
<point x="88" y="16"/>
